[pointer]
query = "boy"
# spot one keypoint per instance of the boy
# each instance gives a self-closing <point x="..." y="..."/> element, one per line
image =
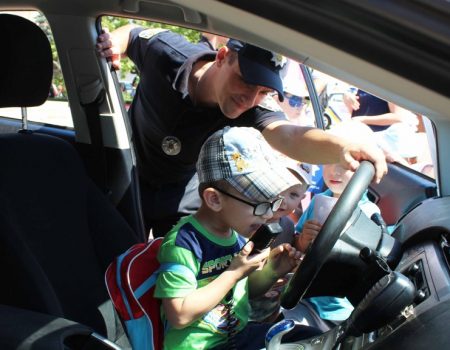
<point x="207" y="306"/>
<point x="266" y="307"/>
<point x="326" y="311"/>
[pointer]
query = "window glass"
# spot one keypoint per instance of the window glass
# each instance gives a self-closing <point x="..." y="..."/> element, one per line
<point x="402" y="134"/>
<point x="55" y="111"/>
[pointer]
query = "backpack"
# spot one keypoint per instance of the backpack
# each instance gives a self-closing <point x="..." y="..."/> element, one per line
<point x="130" y="280"/>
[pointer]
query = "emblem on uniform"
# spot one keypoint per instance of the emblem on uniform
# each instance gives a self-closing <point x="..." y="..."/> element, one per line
<point x="151" y="32"/>
<point x="278" y="60"/>
<point x="171" y="145"/>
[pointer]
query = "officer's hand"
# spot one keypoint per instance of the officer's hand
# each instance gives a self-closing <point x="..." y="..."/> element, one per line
<point x="353" y="153"/>
<point x="108" y="48"/>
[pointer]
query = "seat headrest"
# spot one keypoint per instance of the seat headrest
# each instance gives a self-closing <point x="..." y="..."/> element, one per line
<point x="26" y="61"/>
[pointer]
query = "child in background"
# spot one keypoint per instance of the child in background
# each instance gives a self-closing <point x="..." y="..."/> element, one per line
<point x="325" y="311"/>
<point x="206" y="306"/>
<point x="267" y="307"/>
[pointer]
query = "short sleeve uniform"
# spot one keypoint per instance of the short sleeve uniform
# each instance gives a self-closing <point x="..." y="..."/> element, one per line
<point x="168" y="128"/>
<point x="207" y="256"/>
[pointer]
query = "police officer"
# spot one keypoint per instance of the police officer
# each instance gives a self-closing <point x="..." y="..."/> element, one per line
<point x="186" y="92"/>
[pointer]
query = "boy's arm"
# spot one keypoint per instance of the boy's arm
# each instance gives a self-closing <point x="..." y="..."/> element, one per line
<point x="181" y="312"/>
<point x="310" y="230"/>
<point x="283" y="259"/>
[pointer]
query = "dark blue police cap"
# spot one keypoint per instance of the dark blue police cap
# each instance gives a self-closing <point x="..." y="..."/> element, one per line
<point x="259" y="66"/>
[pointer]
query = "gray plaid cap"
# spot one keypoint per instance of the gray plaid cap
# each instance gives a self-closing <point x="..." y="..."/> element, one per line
<point x="243" y="158"/>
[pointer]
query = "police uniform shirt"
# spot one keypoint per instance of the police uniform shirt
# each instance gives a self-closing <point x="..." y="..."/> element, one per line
<point x="168" y="130"/>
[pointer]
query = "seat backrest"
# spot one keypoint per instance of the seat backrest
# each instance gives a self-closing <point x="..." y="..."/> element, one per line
<point x="27" y="63"/>
<point x="58" y="232"/>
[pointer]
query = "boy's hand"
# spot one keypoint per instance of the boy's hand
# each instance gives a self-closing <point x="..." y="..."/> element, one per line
<point x="283" y="259"/>
<point x="243" y="264"/>
<point x="311" y="229"/>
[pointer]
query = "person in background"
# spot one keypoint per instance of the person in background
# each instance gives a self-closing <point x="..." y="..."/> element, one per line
<point x="395" y="127"/>
<point x="325" y="312"/>
<point x="295" y="93"/>
<point x="206" y="303"/>
<point x="378" y="114"/>
<point x="267" y="307"/>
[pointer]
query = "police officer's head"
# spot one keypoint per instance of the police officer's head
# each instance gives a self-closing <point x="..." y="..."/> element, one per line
<point x="259" y="66"/>
<point x="252" y="74"/>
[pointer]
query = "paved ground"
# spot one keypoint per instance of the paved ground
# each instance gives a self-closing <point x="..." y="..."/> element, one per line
<point x="51" y="112"/>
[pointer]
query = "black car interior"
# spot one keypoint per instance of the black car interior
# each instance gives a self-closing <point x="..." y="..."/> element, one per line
<point x="58" y="232"/>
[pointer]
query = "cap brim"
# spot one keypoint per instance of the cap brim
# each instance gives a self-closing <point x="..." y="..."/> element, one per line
<point x="264" y="184"/>
<point x="301" y="175"/>
<point x="257" y="74"/>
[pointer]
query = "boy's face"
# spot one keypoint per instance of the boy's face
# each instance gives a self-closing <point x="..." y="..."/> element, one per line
<point x="336" y="177"/>
<point x="239" y="216"/>
<point x="292" y="198"/>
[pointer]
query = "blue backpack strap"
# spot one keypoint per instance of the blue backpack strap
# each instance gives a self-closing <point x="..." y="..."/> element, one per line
<point x="119" y="283"/>
<point x="166" y="267"/>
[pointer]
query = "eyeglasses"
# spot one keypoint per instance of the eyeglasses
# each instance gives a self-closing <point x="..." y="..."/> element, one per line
<point x="259" y="209"/>
<point x="294" y="101"/>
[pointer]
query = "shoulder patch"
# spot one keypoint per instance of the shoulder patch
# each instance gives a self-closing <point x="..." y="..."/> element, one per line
<point x="270" y="104"/>
<point x="151" y="32"/>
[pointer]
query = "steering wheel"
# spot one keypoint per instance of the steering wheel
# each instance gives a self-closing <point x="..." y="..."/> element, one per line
<point x="328" y="235"/>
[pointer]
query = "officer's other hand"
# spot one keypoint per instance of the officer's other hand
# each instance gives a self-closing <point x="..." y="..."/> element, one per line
<point x="108" y="48"/>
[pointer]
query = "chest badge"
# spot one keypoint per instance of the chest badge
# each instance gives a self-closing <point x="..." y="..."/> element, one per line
<point x="171" y="145"/>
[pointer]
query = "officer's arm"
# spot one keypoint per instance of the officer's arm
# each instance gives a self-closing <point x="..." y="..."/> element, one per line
<point x="318" y="147"/>
<point x="114" y="44"/>
<point x="306" y="144"/>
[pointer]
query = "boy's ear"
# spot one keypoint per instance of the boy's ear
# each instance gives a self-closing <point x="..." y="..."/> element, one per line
<point x="212" y="199"/>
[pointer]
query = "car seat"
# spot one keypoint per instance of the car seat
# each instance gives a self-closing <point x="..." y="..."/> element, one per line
<point x="58" y="233"/>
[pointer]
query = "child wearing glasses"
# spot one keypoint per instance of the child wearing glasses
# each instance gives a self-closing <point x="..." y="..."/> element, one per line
<point x="207" y="305"/>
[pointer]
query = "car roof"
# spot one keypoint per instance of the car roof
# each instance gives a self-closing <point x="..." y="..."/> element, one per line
<point x="396" y="50"/>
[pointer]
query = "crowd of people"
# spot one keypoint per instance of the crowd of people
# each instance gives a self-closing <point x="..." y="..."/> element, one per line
<point x="209" y="121"/>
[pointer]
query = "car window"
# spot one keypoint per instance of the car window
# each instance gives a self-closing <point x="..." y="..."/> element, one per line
<point x="55" y="111"/>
